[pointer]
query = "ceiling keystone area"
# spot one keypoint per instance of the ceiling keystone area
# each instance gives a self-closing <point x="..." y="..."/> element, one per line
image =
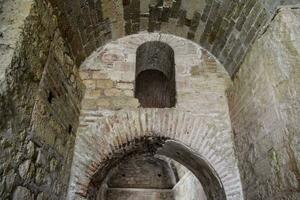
<point x="226" y="28"/>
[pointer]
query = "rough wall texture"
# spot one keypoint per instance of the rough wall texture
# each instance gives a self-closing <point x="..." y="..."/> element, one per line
<point x="225" y="27"/>
<point x="12" y="18"/>
<point x="264" y="105"/>
<point x="36" y="136"/>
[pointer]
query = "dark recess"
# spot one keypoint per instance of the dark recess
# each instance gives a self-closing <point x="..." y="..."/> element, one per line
<point x="155" y="75"/>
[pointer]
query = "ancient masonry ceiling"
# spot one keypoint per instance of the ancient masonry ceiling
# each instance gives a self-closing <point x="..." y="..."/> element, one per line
<point x="198" y="135"/>
<point x="226" y="28"/>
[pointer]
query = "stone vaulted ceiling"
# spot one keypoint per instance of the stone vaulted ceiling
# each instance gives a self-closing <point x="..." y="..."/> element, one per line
<point x="227" y="28"/>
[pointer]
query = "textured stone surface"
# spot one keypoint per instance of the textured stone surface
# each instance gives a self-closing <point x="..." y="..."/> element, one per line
<point x="36" y="137"/>
<point x="264" y="106"/>
<point x="22" y="193"/>
<point x="225" y="27"/>
<point x="12" y="18"/>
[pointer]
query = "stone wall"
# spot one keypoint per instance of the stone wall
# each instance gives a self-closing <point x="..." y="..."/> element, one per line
<point x="12" y="18"/>
<point x="264" y="106"/>
<point x="37" y="129"/>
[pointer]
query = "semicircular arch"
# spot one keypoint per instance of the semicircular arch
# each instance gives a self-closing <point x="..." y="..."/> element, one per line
<point x="112" y="136"/>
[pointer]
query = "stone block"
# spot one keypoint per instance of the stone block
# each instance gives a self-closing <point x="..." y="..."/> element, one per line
<point x="112" y="92"/>
<point x="22" y="193"/>
<point x="105" y="83"/>
<point x="85" y="75"/>
<point x="124" y="102"/>
<point x="103" y="102"/>
<point x="125" y="85"/>
<point x="91" y="84"/>
<point x="90" y="94"/>
<point x="98" y="75"/>
<point x="89" y="104"/>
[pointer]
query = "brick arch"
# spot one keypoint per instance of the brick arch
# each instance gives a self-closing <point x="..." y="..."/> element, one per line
<point x="113" y="135"/>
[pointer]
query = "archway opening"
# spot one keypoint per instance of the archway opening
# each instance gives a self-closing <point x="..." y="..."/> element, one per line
<point x="151" y="150"/>
<point x="155" y="75"/>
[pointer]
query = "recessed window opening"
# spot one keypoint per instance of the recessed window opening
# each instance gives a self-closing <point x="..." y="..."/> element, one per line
<point x="50" y="97"/>
<point x="155" y="75"/>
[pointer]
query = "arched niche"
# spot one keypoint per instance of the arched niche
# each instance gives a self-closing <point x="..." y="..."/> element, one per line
<point x="155" y="75"/>
<point x="175" y="150"/>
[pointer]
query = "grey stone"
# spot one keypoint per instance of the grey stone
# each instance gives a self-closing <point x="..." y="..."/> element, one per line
<point x="24" y="169"/>
<point x="30" y="149"/>
<point x="22" y="193"/>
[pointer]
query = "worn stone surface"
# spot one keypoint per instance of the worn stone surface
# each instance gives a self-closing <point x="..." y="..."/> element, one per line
<point x="225" y="27"/>
<point x="12" y="18"/>
<point x="36" y="138"/>
<point x="22" y="193"/>
<point x="264" y="105"/>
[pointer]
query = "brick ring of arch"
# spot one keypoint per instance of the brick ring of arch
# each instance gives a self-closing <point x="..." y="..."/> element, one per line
<point x="113" y="125"/>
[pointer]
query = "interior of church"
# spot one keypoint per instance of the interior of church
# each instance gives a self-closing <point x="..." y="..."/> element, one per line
<point x="150" y="99"/>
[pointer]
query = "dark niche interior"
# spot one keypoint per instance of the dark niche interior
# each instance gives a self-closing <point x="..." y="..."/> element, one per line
<point x="155" y="75"/>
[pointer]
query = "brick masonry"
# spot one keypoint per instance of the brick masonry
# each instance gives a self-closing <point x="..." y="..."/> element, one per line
<point x="108" y="75"/>
<point x="227" y="28"/>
